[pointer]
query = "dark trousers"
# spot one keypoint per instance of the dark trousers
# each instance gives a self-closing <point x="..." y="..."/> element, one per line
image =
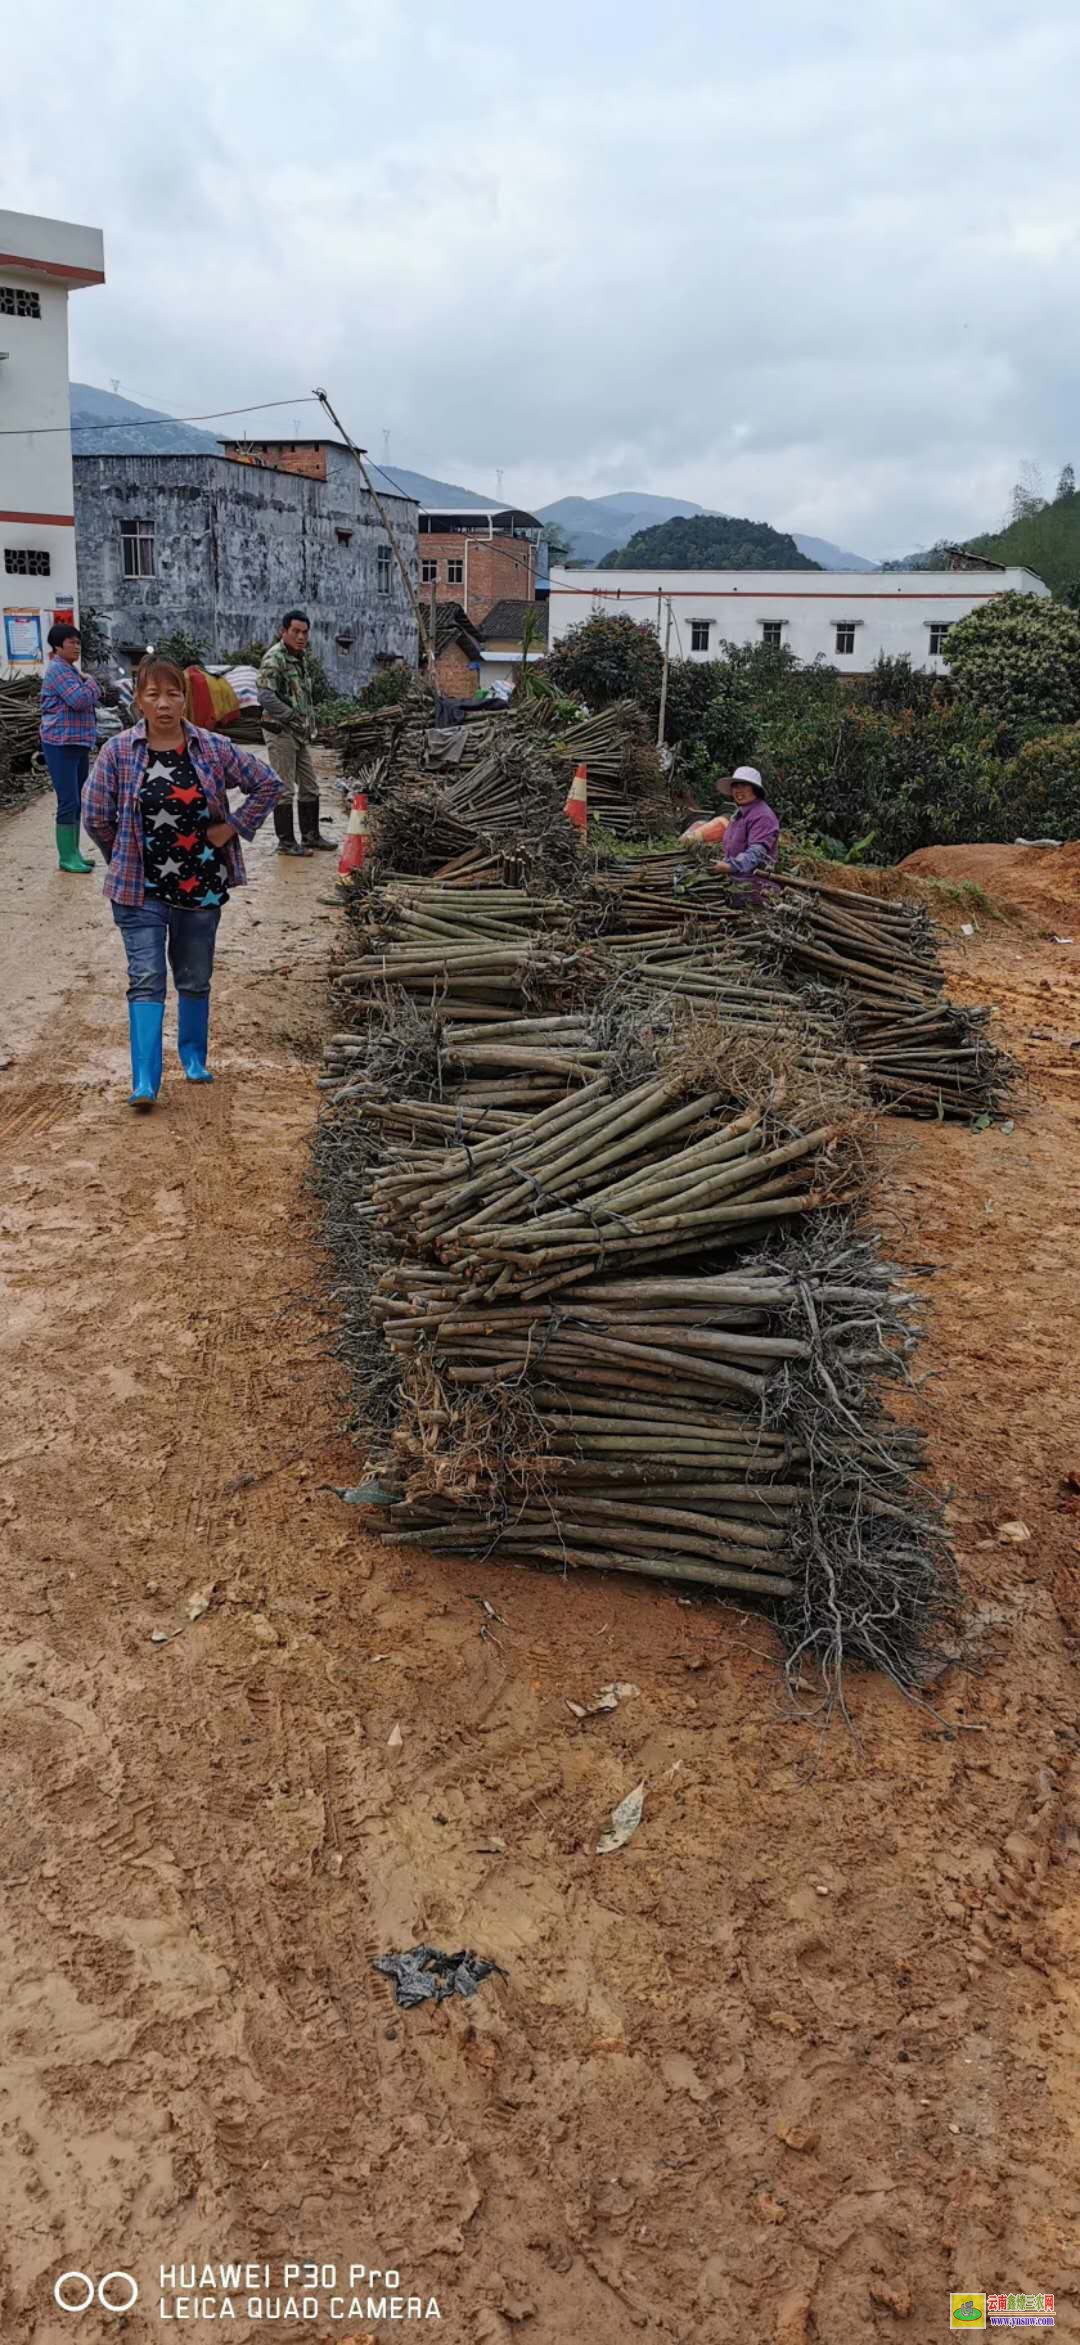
<point x="68" y="769"/>
<point x="187" y="933"/>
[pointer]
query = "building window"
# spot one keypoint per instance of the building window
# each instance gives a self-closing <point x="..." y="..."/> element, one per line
<point x="455" y="573"/>
<point x="699" y="634"/>
<point x="382" y="556"/>
<point x="939" y="629"/>
<point x="343" y="536"/>
<point x="137" y="550"/>
<point x="772" y="634"/>
<point x="845" y="638"/>
<point x="26" y="562"/>
<point x="429" y="572"/>
<point x="17" y="302"/>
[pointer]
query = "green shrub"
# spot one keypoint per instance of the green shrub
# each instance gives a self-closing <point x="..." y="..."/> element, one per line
<point x="1019" y="656"/>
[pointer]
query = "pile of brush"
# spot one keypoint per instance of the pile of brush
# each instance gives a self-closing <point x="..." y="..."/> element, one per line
<point x="20" y="735"/>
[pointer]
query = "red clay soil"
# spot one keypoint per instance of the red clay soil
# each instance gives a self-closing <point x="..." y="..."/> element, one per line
<point x="790" y="2066"/>
<point x="1041" y="882"/>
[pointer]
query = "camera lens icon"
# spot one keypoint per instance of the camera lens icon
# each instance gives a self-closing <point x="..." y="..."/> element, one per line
<point x="76" y="2291"/>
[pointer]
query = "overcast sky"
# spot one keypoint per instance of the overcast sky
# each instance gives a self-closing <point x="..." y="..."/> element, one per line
<point x="806" y="262"/>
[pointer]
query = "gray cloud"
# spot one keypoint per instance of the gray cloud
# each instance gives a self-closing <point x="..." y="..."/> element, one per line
<point x="782" y="262"/>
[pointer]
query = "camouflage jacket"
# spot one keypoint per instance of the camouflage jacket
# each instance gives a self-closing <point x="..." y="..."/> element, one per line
<point x="288" y="674"/>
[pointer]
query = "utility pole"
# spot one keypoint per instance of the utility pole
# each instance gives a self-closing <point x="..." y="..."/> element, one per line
<point x="427" y="644"/>
<point x="663" y="680"/>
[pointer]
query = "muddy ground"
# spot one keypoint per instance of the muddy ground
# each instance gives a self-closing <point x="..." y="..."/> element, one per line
<point x="790" y="2066"/>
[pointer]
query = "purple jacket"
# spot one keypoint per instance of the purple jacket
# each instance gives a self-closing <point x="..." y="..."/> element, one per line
<point x="751" y="843"/>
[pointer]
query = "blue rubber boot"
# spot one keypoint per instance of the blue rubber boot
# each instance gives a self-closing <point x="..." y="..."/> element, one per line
<point x="145" y="1021"/>
<point x="193" y="1027"/>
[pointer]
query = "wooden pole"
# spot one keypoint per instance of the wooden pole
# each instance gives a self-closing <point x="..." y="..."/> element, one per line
<point x="663" y="681"/>
<point x="427" y="645"/>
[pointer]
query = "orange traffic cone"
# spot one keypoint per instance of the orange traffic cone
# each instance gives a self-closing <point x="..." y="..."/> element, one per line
<point x="576" y="808"/>
<point x="354" y="846"/>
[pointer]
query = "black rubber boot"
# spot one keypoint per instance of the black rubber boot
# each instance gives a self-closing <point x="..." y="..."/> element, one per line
<point x="309" y="827"/>
<point x="283" y="826"/>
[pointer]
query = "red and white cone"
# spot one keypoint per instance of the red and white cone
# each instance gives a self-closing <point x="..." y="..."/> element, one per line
<point x="355" y="844"/>
<point x="576" y="808"/>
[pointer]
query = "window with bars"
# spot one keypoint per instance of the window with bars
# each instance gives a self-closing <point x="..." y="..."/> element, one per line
<point x="26" y="562"/>
<point x="455" y="573"/>
<point x="939" y="629"/>
<point x="772" y="634"/>
<point x="137" y="549"/>
<point x="845" y="638"/>
<point x="382" y="558"/>
<point x="17" y="301"/>
<point x="429" y="572"/>
<point x="699" y="634"/>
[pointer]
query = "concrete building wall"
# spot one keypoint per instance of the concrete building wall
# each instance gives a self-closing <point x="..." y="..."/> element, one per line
<point x="234" y="546"/>
<point x="889" y="612"/>
<point x="41" y="261"/>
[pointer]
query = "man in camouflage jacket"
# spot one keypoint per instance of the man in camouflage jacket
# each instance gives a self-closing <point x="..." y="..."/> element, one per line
<point x="287" y="701"/>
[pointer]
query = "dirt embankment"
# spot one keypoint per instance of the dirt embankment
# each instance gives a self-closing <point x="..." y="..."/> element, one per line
<point x="792" y="2064"/>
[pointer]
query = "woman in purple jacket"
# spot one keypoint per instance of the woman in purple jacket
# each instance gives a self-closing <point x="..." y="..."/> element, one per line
<point x="752" y="839"/>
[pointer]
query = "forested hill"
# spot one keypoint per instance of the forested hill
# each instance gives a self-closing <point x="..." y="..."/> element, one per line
<point x="1045" y="539"/>
<point x="712" y="541"/>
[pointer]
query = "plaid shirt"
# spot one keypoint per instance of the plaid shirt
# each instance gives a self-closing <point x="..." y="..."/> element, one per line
<point x="113" y="818"/>
<point x="68" y="707"/>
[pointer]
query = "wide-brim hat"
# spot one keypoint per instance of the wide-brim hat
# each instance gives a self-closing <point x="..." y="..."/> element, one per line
<point x="742" y="773"/>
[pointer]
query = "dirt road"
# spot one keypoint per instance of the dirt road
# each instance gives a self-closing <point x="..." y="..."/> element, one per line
<point x="793" y="2064"/>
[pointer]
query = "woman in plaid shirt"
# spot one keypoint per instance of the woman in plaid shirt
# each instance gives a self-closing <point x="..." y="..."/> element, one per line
<point x="157" y="807"/>
<point x="68" y="733"/>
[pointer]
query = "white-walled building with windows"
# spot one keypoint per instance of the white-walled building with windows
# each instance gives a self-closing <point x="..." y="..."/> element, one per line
<point x="41" y="262"/>
<point x="848" y="618"/>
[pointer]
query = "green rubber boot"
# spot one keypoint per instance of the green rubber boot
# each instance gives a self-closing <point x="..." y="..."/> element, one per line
<point x="67" y="848"/>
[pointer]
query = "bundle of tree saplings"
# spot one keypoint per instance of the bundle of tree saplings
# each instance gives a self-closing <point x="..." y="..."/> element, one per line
<point x="602" y="1361"/>
<point x="922" y="1054"/>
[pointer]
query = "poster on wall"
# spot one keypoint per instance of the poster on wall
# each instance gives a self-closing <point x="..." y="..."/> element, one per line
<point x="22" y="635"/>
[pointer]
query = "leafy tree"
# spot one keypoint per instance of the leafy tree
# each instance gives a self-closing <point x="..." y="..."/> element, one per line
<point x="608" y="659"/>
<point x="1017" y="657"/>
<point x="1066" y="486"/>
<point x="709" y="541"/>
<point x="894" y="684"/>
<point x="95" y="636"/>
<point x="181" y="647"/>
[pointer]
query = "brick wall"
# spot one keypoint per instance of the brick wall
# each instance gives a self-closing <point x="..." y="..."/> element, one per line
<point x="456" y="678"/>
<point x="283" y="456"/>
<point x="495" y="570"/>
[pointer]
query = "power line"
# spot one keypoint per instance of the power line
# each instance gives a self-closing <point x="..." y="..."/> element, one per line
<point x="152" y="423"/>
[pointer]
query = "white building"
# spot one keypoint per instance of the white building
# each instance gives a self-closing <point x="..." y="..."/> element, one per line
<point x="41" y="262"/>
<point x="846" y="617"/>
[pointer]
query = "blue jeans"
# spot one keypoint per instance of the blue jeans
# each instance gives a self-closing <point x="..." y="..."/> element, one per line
<point x="189" y="932"/>
<point x="68" y="769"/>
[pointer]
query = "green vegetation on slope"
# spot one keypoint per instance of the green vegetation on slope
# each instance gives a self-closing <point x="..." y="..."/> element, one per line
<point x="711" y="541"/>
<point x="1046" y="539"/>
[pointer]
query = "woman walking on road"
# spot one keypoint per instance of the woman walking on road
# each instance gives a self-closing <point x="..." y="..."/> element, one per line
<point x="156" y="805"/>
<point x="68" y="734"/>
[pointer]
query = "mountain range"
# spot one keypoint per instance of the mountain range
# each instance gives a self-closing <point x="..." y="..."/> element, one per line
<point x="104" y="424"/>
